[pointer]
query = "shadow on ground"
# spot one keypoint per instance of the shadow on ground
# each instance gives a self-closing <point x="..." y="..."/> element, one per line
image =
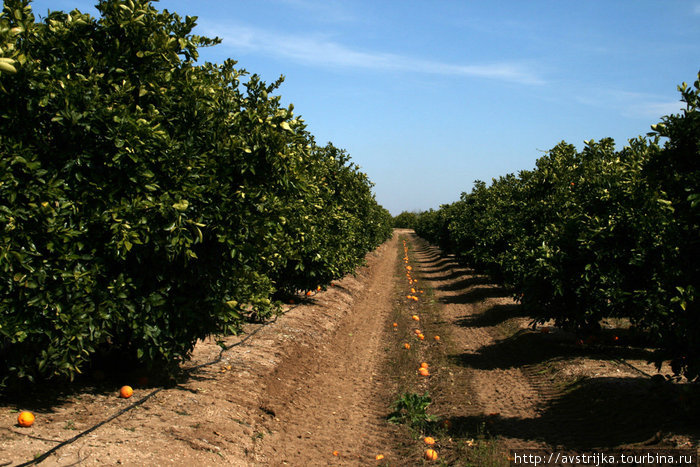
<point x="528" y="347"/>
<point x="475" y="294"/>
<point x="600" y="413"/>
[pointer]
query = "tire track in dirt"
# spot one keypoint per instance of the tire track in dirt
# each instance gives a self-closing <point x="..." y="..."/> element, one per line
<point x="336" y="396"/>
<point x="494" y="390"/>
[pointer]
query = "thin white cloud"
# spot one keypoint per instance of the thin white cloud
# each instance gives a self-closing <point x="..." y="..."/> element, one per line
<point x="632" y="104"/>
<point x="321" y="51"/>
<point x="696" y="10"/>
<point x="655" y="109"/>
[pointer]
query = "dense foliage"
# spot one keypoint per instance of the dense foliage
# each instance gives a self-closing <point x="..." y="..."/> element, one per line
<point x="146" y="200"/>
<point x="406" y="220"/>
<point x="596" y="233"/>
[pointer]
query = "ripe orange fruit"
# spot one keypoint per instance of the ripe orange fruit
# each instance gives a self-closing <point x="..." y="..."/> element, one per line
<point x="415" y="318"/>
<point x="421" y="336"/>
<point x="418" y="331"/>
<point x="25" y="419"/>
<point x="431" y="454"/>
<point x="437" y="338"/>
<point x="379" y="457"/>
<point x="395" y="325"/>
<point x="407" y="346"/>
<point x="424" y="365"/>
<point x="309" y="293"/>
<point x="429" y="440"/>
<point x="126" y="392"/>
<point x="423" y="372"/>
<point x="335" y="453"/>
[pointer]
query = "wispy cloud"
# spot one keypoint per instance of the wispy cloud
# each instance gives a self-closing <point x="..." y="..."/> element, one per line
<point x="696" y="10"/>
<point x="322" y="51"/>
<point x="655" y="109"/>
<point x="632" y="104"/>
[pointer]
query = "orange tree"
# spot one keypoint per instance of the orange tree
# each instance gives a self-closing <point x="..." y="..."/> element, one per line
<point x="335" y="221"/>
<point x="673" y="241"/>
<point x="146" y="200"/>
<point x="595" y="233"/>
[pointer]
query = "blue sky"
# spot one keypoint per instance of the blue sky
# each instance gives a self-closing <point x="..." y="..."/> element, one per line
<point x="428" y="96"/>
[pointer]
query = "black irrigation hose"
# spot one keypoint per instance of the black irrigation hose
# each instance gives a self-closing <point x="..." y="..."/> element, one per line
<point x="45" y="455"/>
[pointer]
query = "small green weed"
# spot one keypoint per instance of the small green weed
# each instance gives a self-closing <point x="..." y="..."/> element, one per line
<point x="410" y="408"/>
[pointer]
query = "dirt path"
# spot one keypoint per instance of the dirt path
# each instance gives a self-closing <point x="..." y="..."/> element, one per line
<point x="495" y="390"/>
<point x="321" y="379"/>
<point x="334" y="397"/>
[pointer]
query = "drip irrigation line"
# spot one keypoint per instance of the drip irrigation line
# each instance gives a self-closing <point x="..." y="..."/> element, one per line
<point x="43" y="456"/>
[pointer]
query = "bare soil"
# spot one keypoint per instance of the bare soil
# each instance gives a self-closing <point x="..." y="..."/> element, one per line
<point x="322" y="376"/>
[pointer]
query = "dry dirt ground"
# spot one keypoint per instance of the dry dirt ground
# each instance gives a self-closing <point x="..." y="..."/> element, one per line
<point x="321" y="379"/>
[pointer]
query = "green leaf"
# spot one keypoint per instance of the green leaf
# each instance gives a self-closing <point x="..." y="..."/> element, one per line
<point x="181" y="205"/>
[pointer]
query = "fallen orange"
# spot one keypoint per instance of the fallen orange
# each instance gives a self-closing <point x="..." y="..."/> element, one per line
<point x="379" y="457"/>
<point x="437" y="338"/>
<point x="424" y="365"/>
<point x="423" y="371"/>
<point x="25" y="419"/>
<point x="421" y="336"/>
<point x="126" y="392"/>
<point x="431" y="454"/>
<point x="407" y="346"/>
<point x="429" y="440"/>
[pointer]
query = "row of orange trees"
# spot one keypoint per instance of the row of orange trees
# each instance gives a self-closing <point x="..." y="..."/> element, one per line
<point x="597" y="233"/>
<point x="148" y="200"/>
